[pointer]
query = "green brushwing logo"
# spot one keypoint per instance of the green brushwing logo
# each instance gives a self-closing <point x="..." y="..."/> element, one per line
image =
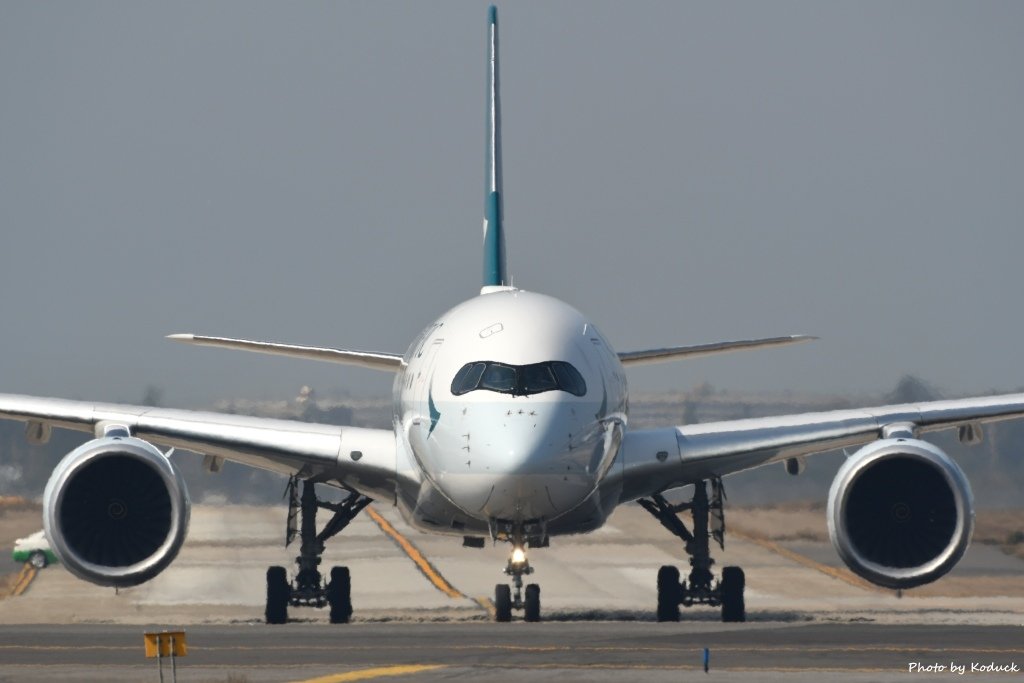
<point x="435" y="414"/>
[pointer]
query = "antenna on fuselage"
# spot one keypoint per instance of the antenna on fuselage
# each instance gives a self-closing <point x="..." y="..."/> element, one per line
<point x="495" y="270"/>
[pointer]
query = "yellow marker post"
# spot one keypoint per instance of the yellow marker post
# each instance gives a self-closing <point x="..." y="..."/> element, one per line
<point x="166" y="644"/>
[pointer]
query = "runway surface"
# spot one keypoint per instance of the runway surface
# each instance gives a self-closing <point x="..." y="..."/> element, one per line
<point x="421" y="605"/>
<point x="513" y="652"/>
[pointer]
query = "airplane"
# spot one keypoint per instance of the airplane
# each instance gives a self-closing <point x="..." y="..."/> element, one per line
<point x="510" y="424"/>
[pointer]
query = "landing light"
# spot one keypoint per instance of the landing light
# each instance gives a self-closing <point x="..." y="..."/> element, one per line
<point x="518" y="556"/>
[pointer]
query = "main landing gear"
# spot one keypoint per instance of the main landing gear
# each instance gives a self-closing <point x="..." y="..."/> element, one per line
<point x="308" y="588"/>
<point x="700" y="588"/>
<point x="518" y="566"/>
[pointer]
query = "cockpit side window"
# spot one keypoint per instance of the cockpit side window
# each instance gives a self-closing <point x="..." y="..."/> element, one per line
<point x="468" y="378"/>
<point x="569" y="378"/>
<point x="519" y="380"/>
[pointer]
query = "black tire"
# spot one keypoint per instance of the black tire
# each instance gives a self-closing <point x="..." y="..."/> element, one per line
<point x="502" y="603"/>
<point x="339" y="595"/>
<point x="532" y="611"/>
<point x="38" y="559"/>
<point x="278" y="592"/>
<point x="668" y="593"/>
<point x="733" y="583"/>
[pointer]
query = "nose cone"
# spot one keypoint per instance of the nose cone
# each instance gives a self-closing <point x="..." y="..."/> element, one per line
<point x="525" y="460"/>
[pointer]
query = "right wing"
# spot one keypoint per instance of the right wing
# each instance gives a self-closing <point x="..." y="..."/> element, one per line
<point x="375" y="360"/>
<point x="362" y="459"/>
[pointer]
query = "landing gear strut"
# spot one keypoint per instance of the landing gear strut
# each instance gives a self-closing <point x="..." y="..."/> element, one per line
<point x="700" y="588"/>
<point x="518" y="567"/>
<point x="308" y="589"/>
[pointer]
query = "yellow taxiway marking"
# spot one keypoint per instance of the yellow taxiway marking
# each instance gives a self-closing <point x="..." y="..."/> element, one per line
<point x="379" y="672"/>
<point x="808" y="562"/>
<point x="428" y="570"/>
<point x="486" y="604"/>
<point x="25" y="576"/>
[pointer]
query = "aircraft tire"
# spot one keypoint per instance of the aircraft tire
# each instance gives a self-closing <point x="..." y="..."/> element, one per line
<point x="532" y="611"/>
<point x="668" y="593"/>
<point x="502" y="603"/>
<point x="38" y="559"/>
<point x="339" y="595"/>
<point x="733" y="583"/>
<point x="278" y="592"/>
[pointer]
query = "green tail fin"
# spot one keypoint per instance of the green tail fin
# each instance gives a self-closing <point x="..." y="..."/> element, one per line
<point x="495" y="272"/>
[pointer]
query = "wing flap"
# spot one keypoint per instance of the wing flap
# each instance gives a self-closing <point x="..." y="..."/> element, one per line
<point x="375" y="360"/>
<point x="695" y="351"/>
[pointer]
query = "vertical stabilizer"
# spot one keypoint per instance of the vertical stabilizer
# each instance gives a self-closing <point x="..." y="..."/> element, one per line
<point x="494" y="237"/>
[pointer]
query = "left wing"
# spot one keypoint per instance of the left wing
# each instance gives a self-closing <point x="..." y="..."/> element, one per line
<point x="375" y="360"/>
<point x="359" y="458"/>
<point x="655" y="460"/>
<point x="697" y="350"/>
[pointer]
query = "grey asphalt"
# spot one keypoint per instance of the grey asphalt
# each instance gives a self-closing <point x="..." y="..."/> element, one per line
<point x="517" y="651"/>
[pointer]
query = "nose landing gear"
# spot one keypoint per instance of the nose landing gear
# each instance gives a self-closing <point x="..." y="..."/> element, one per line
<point x="504" y="599"/>
<point x="522" y="535"/>
<point x="700" y="589"/>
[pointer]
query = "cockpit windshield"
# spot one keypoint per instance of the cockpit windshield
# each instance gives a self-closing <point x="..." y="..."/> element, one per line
<point x="519" y="380"/>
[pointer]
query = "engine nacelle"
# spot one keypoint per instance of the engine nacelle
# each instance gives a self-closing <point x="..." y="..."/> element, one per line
<point x="116" y="511"/>
<point x="900" y="513"/>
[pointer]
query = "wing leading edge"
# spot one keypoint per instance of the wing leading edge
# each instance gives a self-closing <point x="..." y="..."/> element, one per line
<point x="674" y="352"/>
<point x="374" y="360"/>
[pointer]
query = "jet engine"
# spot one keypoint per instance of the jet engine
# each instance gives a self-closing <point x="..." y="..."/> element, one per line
<point x="116" y="511"/>
<point x="900" y="513"/>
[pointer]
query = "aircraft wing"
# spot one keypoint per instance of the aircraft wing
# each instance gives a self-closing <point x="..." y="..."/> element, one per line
<point x="375" y="360"/>
<point x="362" y="459"/>
<point x="655" y="460"/>
<point x="697" y="350"/>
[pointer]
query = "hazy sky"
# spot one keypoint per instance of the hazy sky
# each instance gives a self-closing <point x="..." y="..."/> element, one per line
<point x="681" y="173"/>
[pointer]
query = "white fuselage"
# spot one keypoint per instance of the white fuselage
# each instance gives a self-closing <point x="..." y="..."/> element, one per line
<point x="520" y="441"/>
